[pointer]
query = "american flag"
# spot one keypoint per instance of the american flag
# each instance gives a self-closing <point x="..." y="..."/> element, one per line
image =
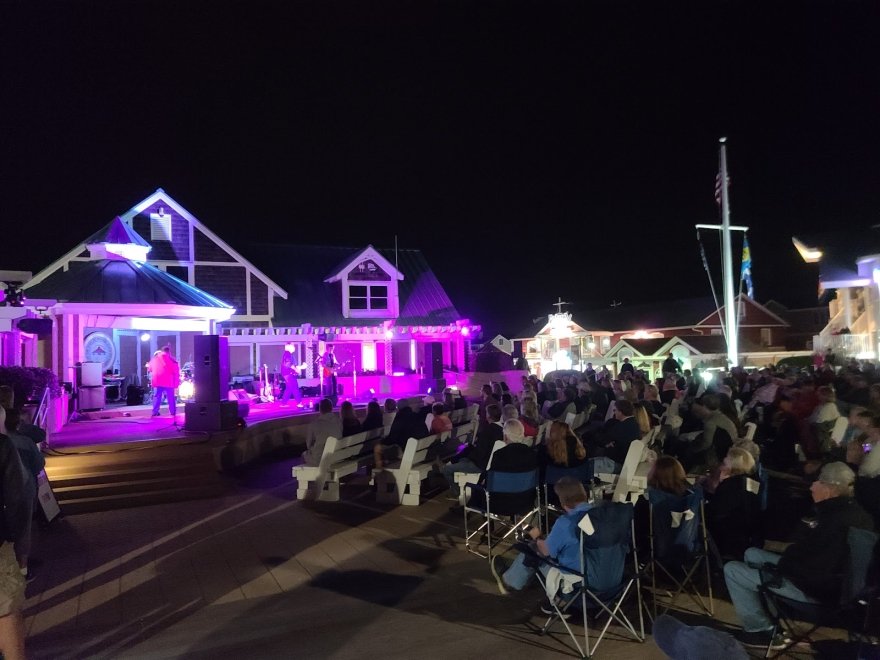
<point x="718" y="187"/>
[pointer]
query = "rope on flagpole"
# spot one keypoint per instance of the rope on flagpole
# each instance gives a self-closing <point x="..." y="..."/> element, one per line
<point x="711" y="283"/>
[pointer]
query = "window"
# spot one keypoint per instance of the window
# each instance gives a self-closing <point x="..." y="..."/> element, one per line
<point x="367" y="297"/>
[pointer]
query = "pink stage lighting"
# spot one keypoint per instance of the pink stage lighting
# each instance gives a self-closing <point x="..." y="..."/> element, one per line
<point x="389" y="334"/>
<point x="465" y="331"/>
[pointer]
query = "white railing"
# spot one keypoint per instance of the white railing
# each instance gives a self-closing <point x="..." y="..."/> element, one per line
<point x="42" y="412"/>
<point x="851" y="345"/>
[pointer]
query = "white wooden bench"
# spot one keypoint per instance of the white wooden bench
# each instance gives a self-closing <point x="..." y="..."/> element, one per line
<point x="341" y="458"/>
<point x="402" y="482"/>
<point x="464" y="478"/>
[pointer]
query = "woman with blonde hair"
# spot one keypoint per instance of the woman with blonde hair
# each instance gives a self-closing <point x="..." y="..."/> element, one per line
<point x="643" y="417"/>
<point x="733" y="512"/>
<point x="529" y="416"/>
<point x="562" y="447"/>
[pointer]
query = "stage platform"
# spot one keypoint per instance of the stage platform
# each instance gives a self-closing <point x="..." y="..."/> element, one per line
<point x="123" y="456"/>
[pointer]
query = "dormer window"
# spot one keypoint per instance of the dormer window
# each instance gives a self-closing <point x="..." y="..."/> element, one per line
<point x="369" y="286"/>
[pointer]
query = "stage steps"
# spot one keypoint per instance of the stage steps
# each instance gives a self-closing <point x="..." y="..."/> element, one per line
<point x="122" y="478"/>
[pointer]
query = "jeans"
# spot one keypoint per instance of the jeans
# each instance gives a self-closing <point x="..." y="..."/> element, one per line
<point x="291" y="387"/>
<point x="464" y="465"/>
<point x="743" y="581"/>
<point x="169" y="394"/>
<point x="518" y="575"/>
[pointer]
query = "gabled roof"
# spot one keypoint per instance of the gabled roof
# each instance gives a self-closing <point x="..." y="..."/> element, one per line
<point x="127" y="218"/>
<point x="118" y="233"/>
<point x="753" y="313"/>
<point x="708" y="344"/>
<point x="341" y="269"/>
<point x="684" y="313"/>
<point x="120" y="282"/>
<point x="301" y="269"/>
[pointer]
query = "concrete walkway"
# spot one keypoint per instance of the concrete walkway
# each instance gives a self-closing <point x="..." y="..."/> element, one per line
<point x="256" y="574"/>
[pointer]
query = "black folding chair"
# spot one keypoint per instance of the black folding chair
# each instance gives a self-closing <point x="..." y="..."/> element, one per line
<point x="552" y="473"/>
<point x="851" y="612"/>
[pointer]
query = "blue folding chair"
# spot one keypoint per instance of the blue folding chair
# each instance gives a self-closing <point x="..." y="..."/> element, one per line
<point x="603" y="583"/>
<point x="508" y="500"/>
<point x="679" y="546"/>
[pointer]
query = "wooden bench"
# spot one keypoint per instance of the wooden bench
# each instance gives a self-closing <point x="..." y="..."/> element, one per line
<point x="341" y="458"/>
<point x="401" y="482"/>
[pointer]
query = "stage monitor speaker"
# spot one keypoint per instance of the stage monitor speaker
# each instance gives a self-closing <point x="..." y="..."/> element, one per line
<point x="432" y="359"/>
<point x="134" y="395"/>
<point x="211" y="416"/>
<point x="210" y="368"/>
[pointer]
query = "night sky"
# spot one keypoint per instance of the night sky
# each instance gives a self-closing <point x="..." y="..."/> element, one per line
<point x="531" y="150"/>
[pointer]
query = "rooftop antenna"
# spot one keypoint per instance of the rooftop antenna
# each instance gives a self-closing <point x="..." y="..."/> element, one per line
<point x="616" y="303"/>
<point x="558" y="305"/>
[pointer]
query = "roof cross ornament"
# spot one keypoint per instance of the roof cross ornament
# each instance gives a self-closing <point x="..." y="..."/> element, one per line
<point x="558" y="305"/>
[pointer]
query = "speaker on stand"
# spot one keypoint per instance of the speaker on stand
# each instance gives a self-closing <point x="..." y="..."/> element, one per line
<point x="211" y="410"/>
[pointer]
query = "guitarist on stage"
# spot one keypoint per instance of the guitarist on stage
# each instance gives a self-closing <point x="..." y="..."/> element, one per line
<point x="330" y="365"/>
<point x="288" y="372"/>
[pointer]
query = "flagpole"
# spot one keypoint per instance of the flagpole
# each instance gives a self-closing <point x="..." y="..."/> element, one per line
<point x="727" y="259"/>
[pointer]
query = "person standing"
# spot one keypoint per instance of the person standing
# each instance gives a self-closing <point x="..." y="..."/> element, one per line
<point x="165" y="378"/>
<point x="330" y="365"/>
<point x="13" y="518"/>
<point x="288" y="372"/>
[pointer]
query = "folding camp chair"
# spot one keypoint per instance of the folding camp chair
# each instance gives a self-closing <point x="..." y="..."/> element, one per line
<point x="603" y="583"/>
<point x="503" y="487"/>
<point x="583" y="473"/>
<point x="679" y="546"/>
<point x="851" y="612"/>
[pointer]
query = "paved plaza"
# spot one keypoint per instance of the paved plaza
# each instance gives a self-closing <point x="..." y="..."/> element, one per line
<point x="257" y="574"/>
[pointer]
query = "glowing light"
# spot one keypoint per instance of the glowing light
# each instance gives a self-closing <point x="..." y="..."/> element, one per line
<point x="708" y="376"/>
<point x="560" y="325"/>
<point x="562" y="360"/>
<point x="809" y="254"/>
<point x="398" y="373"/>
<point x="389" y="334"/>
<point x="429" y="390"/>
<point x="641" y="334"/>
<point x="592" y="345"/>
<point x="145" y="336"/>
<point x="290" y="347"/>
<point x="186" y="390"/>
<point x="372" y="391"/>
<point x="465" y="331"/>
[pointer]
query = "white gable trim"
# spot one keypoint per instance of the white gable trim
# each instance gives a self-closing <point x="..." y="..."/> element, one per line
<point x="748" y="301"/>
<point x="618" y="347"/>
<point x="368" y="252"/>
<point x="129" y="215"/>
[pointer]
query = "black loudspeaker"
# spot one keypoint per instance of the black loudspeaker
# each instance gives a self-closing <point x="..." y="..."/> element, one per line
<point x="211" y="416"/>
<point x="432" y="359"/>
<point x="210" y="368"/>
<point x="39" y="327"/>
<point x="134" y="395"/>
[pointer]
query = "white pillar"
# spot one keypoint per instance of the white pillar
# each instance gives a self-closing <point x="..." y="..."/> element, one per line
<point x="847" y="307"/>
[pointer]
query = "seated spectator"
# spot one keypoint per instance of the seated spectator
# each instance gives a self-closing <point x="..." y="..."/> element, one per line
<point x="25" y="428"/>
<point x="823" y="418"/>
<point x="733" y="510"/>
<point x="561" y="544"/>
<point x="643" y="418"/>
<point x="326" y="425"/>
<point x="407" y="424"/>
<point x="441" y="422"/>
<point x="374" y="418"/>
<point x="652" y="400"/>
<point x="390" y="405"/>
<point x="351" y="425"/>
<point x="509" y="412"/>
<point x="474" y="458"/>
<point x="562" y="448"/>
<point x="810" y="569"/>
<point x="514" y="456"/>
<point x="667" y="477"/>
<point x="530" y="418"/>
<point x="779" y="451"/>
<point x="614" y="439"/>
<point x="864" y="455"/>
<point x="563" y="406"/>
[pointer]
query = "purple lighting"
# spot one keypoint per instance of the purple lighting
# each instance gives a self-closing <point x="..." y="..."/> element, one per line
<point x="465" y="331"/>
<point x="389" y="334"/>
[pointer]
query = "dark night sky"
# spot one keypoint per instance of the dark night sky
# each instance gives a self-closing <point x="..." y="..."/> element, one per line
<point x="532" y="150"/>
